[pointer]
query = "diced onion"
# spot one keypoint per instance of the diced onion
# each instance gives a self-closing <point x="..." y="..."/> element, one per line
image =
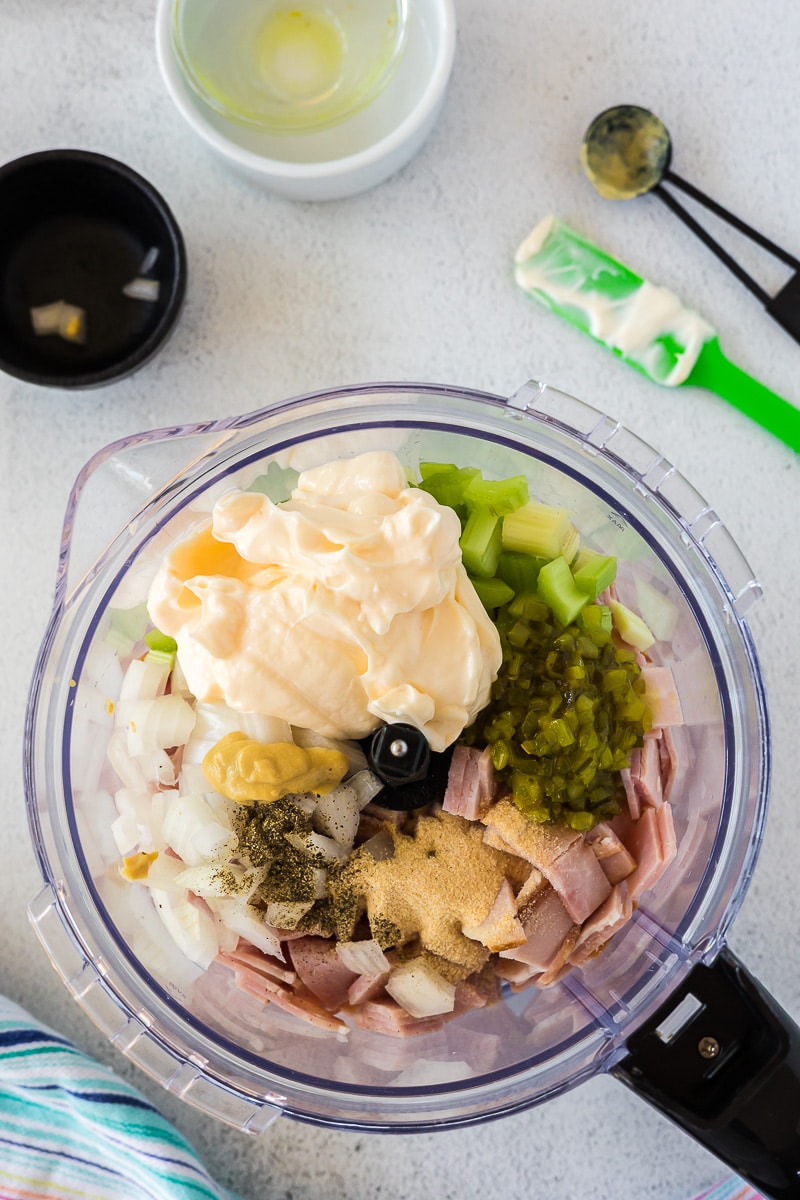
<point x="420" y="990"/>
<point x="193" y="929"/>
<point x="213" y="880"/>
<point x="366" y="786"/>
<point x="125" y="831"/>
<point x="214" y="721"/>
<point x="192" y="779"/>
<point x="149" y="261"/>
<point x="128" y="769"/>
<point x="355" y="756"/>
<point x="316" y="843"/>
<point x="160" y="768"/>
<point x="379" y="846"/>
<point x="190" y="828"/>
<point x="286" y="914"/>
<point x="163" y="874"/>
<point x="243" y="919"/>
<point x="144" y="680"/>
<point x="337" y="815"/>
<point x="142" y="289"/>
<point x="67" y="320"/>
<point x="158" y="724"/>
<point x="364" y="958"/>
<point x="658" y="612"/>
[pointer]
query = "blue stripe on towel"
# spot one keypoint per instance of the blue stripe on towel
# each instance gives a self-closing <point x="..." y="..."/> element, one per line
<point x="69" y="1127"/>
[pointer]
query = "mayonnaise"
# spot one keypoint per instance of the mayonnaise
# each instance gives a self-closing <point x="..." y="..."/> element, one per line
<point x="344" y="607"/>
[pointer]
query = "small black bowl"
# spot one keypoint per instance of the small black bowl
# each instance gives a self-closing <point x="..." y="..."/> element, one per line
<point x="79" y="227"/>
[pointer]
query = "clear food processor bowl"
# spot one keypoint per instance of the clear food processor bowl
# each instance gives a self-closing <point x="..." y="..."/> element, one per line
<point x="195" y="1032"/>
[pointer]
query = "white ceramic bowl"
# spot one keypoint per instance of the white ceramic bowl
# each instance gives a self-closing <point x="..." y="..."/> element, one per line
<point x="352" y="156"/>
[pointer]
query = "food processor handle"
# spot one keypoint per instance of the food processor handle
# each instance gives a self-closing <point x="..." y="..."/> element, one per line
<point x="722" y="1060"/>
<point x="114" y="486"/>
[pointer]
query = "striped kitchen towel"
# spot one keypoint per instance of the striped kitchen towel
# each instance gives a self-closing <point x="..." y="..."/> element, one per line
<point x="70" y="1129"/>
<point x="731" y="1189"/>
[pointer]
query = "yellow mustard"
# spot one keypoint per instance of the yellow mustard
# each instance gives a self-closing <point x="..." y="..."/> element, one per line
<point x="248" y="771"/>
<point x="136" y="866"/>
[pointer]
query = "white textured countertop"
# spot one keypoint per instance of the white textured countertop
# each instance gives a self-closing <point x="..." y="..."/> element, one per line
<point x="412" y="281"/>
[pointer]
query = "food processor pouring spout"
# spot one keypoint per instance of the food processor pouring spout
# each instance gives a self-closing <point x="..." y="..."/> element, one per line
<point x="722" y="1060"/>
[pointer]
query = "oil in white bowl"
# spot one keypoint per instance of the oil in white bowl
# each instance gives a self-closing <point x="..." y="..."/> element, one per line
<point x="284" y="67"/>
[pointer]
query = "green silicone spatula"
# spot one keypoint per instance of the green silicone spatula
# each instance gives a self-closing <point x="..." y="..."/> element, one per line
<point x="647" y="326"/>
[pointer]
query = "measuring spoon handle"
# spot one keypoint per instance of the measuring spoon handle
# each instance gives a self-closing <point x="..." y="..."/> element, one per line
<point x="733" y="220"/>
<point x="785" y="307"/>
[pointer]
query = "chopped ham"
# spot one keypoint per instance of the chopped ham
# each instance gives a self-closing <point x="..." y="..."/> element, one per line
<point x="383" y="815"/>
<point x="648" y="782"/>
<point x="558" y="852"/>
<point x="457" y="771"/>
<point x="579" y="880"/>
<point x="614" y="857"/>
<point x="501" y="928"/>
<point x="651" y="841"/>
<point x="248" y="956"/>
<point x="642" y="780"/>
<point x="533" y="884"/>
<point x="559" y="966"/>
<point x="470" y="783"/>
<point x="300" y="1004"/>
<point x="602" y="925"/>
<point x="367" y="987"/>
<point x="476" y="992"/>
<point x="662" y="697"/>
<point x="546" y="923"/>
<point x="384" y="1016"/>
<point x="492" y="838"/>
<point x="537" y="844"/>
<point x="631" y="794"/>
<point x="518" y="974"/>
<point x="321" y="970"/>
<point x="668" y="759"/>
<point x="666" y="830"/>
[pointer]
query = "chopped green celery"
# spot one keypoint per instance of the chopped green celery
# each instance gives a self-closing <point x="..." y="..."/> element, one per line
<point x="595" y="620"/>
<point x="520" y="571"/>
<point x="448" y="485"/>
<point x="480" y="543"/>
<point x="536" y="529"/>
<point x="492" y="593"/>
<point x="557" y="588"/>
<point x="529" y="606"/>
<point x="500" y="496"/>
<point x="630" y="627"/>
<point x="570" y="543"/>
<point x="162" y="656"/>
<point x="593" y="573"/>
<point x="126" y="628"/>
<point x="427" y="469"/>
<point x="156" y="640"/>
<point x="277" y="483"/>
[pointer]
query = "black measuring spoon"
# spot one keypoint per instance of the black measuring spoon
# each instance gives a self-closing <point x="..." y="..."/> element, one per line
<point x="627" y="151"/>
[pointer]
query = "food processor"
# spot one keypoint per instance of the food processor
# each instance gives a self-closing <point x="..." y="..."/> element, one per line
<point x="664" y="1006"/>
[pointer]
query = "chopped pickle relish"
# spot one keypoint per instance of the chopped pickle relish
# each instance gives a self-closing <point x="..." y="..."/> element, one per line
<point x="566" y="711"/>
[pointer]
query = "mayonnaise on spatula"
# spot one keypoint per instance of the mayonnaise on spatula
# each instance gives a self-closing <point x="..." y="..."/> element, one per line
<point x="646" y="325"/>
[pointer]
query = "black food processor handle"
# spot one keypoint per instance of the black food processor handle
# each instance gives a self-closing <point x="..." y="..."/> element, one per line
<point x="722" y="1060"/>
